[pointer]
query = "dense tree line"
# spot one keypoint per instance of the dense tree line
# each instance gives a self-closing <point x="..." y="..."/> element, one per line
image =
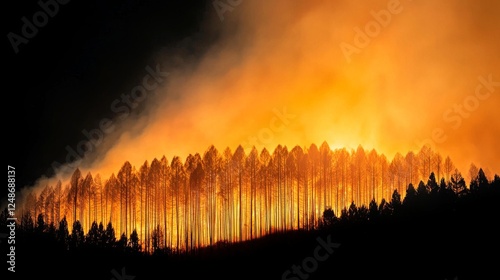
<point x="234" y="196"/>
<point x="430" y="200"/>
<point x="439" y="229"/>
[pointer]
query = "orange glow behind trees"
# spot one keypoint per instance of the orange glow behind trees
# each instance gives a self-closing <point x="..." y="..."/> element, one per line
<point x="232" y="196"/>
<point x="276" y="76"/>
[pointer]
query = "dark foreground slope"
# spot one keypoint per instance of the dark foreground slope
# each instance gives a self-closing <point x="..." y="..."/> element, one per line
<point x="456" y="241"/>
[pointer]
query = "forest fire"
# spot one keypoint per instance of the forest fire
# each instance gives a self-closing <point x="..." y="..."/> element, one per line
<point x="272" y="125"/>
<point x="226" y="196"/>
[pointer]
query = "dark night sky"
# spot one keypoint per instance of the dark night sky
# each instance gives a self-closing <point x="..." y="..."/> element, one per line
<point x="64" y="79"/>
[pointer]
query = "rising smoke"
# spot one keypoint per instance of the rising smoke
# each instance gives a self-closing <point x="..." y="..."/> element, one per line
<point x="409" y="77"/>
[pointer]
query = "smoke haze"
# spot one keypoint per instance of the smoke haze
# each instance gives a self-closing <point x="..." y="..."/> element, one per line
<point x="275" y="72"/>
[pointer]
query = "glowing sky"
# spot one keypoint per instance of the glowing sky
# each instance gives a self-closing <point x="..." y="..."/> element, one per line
<point x="280" y="72"/>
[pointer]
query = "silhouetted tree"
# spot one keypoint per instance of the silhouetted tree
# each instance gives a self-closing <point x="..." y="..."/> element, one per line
<point x="422" y="190"/>
<point x="176" y="186"/>
<point x="134" y="242"/>
<point x="40" y="224"/>
<point x="410" y="202"/>
<point x="425" y="156"/>
<point x="363" y="214"/>
<point x="328" y="217"/>
<point x="87" y="193"/>
<point x="212" y="162"/>
<point x="374" y="213"/>
<point x="457" y="183"/>
<point x="432" y="184"/>
<point x="62" y="233"/>
<point x="344" y="216"/>
<point x="446" y="196"/>
<point x="109" y="236"/>
<point x="438" y="165"/>
<point x="93" y="236"/>
<point x="100" y="234"/>
<point x="448" y="167"/>
<point x="122" y="242"/>
<point x="357" y="214"/>
<point x="253" y="165"/>
<point x="495" y="184"/>
<point x="238" y="163"/>
<point x="156" y="237"/>
<point x="411" y="195"/>
<point x="422" y="197"/>
<point x="385" y="209"/>
<point x="479" y="182"/>
<point x="124" y="177"/>
<point x="397" y="171"/>
<point x="77" y="237"/>
<point x="411" y="168"/>
<point x="58" y="201"/>
<point x="395" y="203"/>
<point x="75" y="184"/>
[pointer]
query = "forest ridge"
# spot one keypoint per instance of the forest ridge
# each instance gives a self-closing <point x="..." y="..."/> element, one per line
<point x="233" y="196"/>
